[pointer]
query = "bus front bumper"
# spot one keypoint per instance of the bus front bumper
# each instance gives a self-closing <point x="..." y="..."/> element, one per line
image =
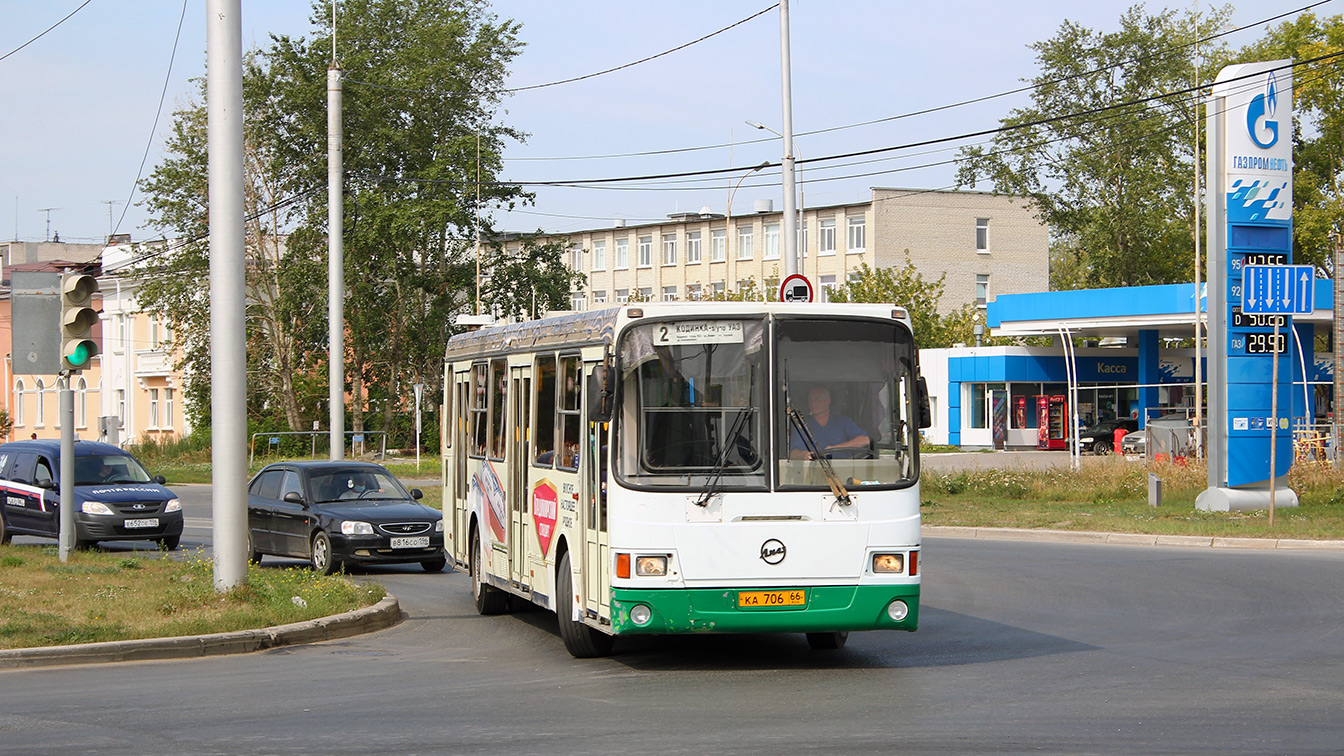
<point x="719" y="610"/>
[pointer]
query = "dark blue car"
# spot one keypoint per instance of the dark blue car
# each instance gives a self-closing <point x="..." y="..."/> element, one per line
<point x="115" y="498"/>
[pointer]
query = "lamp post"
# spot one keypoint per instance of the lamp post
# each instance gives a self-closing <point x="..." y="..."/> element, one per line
<point x="797" y="153"/>
<point x="728" y="220"/>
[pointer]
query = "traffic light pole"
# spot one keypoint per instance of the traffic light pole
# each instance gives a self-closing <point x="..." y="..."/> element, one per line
<point x="67" y="492"/>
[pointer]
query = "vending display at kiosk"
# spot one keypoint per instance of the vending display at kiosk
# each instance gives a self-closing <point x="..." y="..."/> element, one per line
<point x="1052" y="426"/>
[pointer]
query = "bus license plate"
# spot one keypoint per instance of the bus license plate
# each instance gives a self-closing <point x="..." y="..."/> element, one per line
<point x="152" y="522"/>
<point x="761" y="599"/>
<point x="417" y="542"/>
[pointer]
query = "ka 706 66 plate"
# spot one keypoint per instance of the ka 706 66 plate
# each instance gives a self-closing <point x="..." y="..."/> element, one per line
<point x="765" y="599"/>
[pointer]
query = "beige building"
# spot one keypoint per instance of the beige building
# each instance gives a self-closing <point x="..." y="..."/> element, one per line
<point x="986" y="245"/>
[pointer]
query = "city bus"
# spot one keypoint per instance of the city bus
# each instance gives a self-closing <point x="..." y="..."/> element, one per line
<point x="665" y="468"/>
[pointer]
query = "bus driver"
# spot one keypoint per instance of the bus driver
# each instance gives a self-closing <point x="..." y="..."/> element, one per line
<point x="829" y="431"/>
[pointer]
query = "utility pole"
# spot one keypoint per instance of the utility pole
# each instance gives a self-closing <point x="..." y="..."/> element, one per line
<point x="228" y="345"/>
<point x="790" y="221"/>
<point x="335" y="256"/>
<point x="1337" y="344"/>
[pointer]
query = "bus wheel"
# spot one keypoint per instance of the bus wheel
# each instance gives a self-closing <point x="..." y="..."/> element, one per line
<point x="827" y="641"/>
<point x="581" y="641"/>
<point x="489" y="600"/>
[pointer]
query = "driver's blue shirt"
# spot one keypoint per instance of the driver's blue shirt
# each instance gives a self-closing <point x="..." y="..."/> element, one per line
<point x="837" y="430"/>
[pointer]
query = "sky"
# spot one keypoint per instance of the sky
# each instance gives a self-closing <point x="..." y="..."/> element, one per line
<point x="79" y="123"/>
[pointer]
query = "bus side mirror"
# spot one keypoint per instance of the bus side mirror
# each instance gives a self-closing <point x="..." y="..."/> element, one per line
<point x="925" y="412"/>
<point x="599" y="395"/>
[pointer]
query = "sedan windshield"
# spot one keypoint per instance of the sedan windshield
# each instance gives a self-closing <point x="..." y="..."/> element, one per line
<point x="356" y="484"/>
<point x="108" y="468"/>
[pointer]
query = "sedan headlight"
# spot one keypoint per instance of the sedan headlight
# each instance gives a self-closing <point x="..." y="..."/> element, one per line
<point x="355" y="527"/>
<point x="173" y="505"/>
<point x="438" y="526"/>
<point x="95" y="508"/>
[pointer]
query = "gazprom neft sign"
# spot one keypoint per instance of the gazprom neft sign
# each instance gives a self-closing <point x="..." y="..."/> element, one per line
<point x="1250" y="160"/>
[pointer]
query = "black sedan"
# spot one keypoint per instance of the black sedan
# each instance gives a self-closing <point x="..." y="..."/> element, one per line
<point x="1100" y="438"/>
<point x="332" y="513"/>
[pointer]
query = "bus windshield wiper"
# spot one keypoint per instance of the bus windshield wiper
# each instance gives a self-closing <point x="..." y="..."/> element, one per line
<point x="796" y="419"/>
<point x="725" y="443"/>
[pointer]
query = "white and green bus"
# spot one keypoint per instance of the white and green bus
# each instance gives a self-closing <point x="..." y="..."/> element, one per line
<point x="704" y="467"/>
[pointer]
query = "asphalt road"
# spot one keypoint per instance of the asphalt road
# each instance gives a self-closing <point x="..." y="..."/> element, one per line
<point x="1023" y="647"/>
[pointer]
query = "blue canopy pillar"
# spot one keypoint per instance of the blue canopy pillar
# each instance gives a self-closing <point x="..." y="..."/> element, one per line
<point x="1150" y="375"/>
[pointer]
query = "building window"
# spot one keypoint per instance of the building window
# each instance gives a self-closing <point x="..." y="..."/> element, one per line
<point x="744" y="242"/>
<point x="153" y="332"/>
<point x="669" y="249"/>
<point x="827" y="285"/>
<point x="576" y="300"/>
<point x="826" y="239"/>
<point x="646" y="251"/>
<point x="982" y="235"/>
<point x="622" y="254"/>
<point x="669" y="293"/>
<point x="576" y="258"/>
<point x="600" y="297"/>
<point x="646" y="293"/>
<point x="168" y="408"/>
<point x="40" y="414"/>
<point x="600" y="255"/>
<point x="153" y="409"/>
<point x="622" y="296"/>
<point x="82" y="403"/>
<point x="693" y="247"/>
<point x="18" y="407"/>
<point x="718" y="244"/>
<point x="771" y="242"/>
<point x="693" y="292"/>
<point x="718" y="289"/>
<point x="802" y="239"/>
<point x="981" y="289"/>
<point x="119" y="328"/>
<point x="121" y="407"/>
<point x="856" y="233"/>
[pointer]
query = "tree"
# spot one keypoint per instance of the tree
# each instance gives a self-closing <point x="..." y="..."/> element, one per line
<point x="423" y="80"/>
<point x="529" y="282"/>
<point x="1107" y="165"/>
<point x="1318" y="132"/>
<point x="907" y="288"/>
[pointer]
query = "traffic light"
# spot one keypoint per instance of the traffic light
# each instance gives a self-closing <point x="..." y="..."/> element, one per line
<point x="77" y="320"/>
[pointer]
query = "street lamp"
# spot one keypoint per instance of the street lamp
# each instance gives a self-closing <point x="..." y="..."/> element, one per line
<point x="799" y="254"/>
<point x="728" y="218"/>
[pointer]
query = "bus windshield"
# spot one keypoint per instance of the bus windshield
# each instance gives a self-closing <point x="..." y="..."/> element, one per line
<point x="846" y="394"/>
<point x="691" y="413"/>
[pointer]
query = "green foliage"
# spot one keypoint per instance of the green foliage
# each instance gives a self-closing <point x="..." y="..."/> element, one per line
<point x="1114" y="181"/>
<point x="1318" y="133"/>
<point x="530" y="281"/>
<point x="6" y="423"/>
<point x="907" y="287"/>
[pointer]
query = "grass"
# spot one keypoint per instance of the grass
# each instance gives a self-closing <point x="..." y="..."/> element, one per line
<point x="98" y="596"/>
<point x="1110" y="494"/>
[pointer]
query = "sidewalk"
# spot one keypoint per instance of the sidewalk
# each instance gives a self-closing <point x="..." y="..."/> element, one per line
<point x="1128" y="539"/>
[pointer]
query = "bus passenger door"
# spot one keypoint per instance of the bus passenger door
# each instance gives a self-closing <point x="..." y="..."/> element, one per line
<point x="520" y="393"/>
<point x="461" y="514"/>
<point x="597" y="567"/>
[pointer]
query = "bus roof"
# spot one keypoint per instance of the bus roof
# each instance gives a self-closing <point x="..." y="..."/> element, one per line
<point x="590" y="327"/>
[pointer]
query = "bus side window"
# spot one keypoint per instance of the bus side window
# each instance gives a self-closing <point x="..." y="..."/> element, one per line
<point x="479" y="424"/>
<point x="499" y="375"/>
<point x="544" y="444"/>
<point x="568" y="417"/>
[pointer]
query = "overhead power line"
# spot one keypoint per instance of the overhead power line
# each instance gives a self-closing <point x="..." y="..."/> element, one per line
<point x="49" y="28"/>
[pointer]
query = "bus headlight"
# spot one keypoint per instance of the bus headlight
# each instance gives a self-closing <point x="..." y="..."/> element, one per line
<point x="650" y="566"/>
<point x="640" y="614"/>
<point x="897" y="610"/>
<point x="889" y="563"/>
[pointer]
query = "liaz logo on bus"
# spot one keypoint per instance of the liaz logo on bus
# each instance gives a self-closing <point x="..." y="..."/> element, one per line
<point x="545" y="508"/>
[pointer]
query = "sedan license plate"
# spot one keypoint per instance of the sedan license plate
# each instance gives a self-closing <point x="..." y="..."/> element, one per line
<point x="416" y="542"/>
<point x="763" y="599"/>
<point x="152" y="522"/>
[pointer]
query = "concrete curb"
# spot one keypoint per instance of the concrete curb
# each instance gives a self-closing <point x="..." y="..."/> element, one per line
<point x="377" y="617"/>
<point x="1129" y="539"/>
